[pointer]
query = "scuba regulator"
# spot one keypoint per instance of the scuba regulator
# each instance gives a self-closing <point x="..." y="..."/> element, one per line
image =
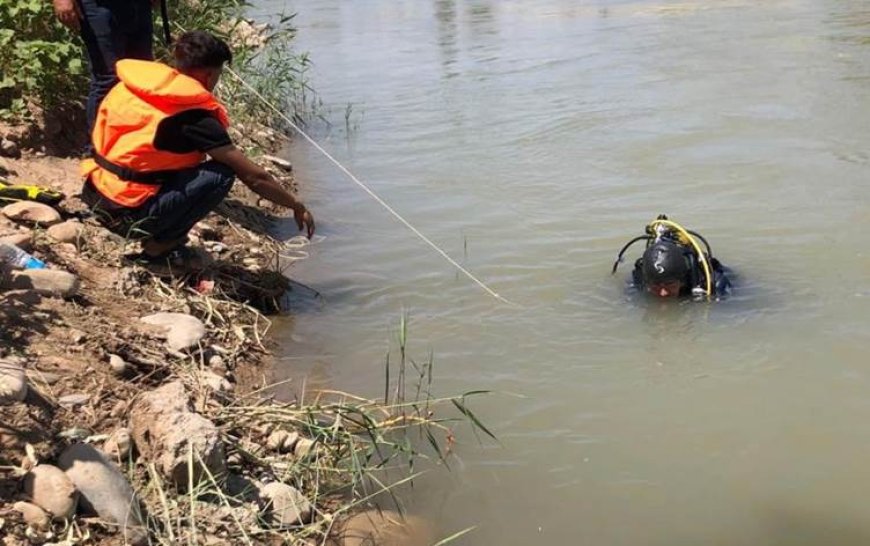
<point x="662" y="230"/>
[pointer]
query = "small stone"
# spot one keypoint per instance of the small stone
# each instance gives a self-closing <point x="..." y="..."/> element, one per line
<point x="283" y="505"/>
<point x="118" y="365"/>
<point x="72" y="400"/>
<point x="216" y="363"/>
<point x="52" y="490"/>
<point x="215" y="382"/>
<point x="282" y="441"/>
<point x="9" y="149"/>
<point x="282" y="164"/>
<point x="33" y="515"/>
<point x="180" y="330"/>
<point x="66" y="232"/>
<point x="77" y="336"/>
<point x="13" y="383"/>
<point x="31" y="212"/>
<point x="47" y="282"/>
<point x="104" y="490"/>
<point x="119" y="444"/>
<point x="23" y="240"/>
<point x="303" y="448"/>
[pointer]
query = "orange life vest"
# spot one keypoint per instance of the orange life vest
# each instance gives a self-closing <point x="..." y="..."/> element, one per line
<point x="126" y="125"/>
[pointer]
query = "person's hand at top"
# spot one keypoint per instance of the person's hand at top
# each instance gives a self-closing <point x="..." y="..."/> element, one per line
<point x="68" y="13"/>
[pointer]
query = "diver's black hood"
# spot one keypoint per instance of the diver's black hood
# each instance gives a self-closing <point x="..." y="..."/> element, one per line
<point x="664" y="261"/>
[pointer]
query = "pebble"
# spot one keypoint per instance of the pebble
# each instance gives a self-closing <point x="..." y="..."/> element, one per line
<point x="52" y="490"/>
<point x="283" y="505"/>
<point x="9" y="149"/>
<point x="72" y="400"/>
<point x="282" y="164"/>
<point x="23" y="240"/>
<point x="33" y="515"/>
<point x="77" y="336"/>
<point x="118" y="365"/>
<point x="303" y="448"/>
<point x="13" y="383"/>
<point x="119" y="444"/>
<point x="66" y="232"/>
<point x="282" y="441"/>
<point x="104" y="490"/>
<point x="215" y="382"/>
<point x="32" y="212"/>
<point x="47" y="282"/>
<point x="217" y="364"/>
<point x="180" y="330"/>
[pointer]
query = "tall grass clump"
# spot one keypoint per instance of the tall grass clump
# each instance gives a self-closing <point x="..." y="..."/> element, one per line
<point x="352" y="453"/>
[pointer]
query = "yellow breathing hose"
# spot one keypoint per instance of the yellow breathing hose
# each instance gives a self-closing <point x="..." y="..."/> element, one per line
<point x="691" y="240"/>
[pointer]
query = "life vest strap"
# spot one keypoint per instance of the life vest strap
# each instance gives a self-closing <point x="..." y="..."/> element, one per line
<point x="154" y="178"/>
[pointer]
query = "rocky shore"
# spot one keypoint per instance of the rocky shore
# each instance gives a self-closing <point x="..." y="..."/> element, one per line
<point x="133" y="401"/>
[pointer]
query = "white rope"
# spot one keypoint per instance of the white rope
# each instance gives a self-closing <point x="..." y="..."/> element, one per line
<point x="365" y="188"/>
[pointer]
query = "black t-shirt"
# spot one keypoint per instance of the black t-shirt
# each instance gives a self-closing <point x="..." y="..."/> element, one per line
<point x="190" y="131"/>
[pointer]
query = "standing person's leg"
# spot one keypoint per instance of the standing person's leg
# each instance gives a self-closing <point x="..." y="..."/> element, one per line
<point x="182" y="202"/>
<point x="137" y="27"/>
<point x="112" y="30"/>
<point x="101" y="51"/>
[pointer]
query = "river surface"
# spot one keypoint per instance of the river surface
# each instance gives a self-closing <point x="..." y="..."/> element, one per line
<point x="531" y="139"/>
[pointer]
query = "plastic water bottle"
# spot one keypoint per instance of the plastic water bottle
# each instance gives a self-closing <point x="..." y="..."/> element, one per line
<point x="16" y="258"/>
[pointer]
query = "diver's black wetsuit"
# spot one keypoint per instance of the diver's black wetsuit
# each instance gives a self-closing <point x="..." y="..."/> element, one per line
<point x="721" y="283"/>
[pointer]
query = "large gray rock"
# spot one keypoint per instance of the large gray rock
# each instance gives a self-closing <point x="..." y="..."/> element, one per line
<point x="48" y="282"/>
<point x="164" y="430"/>
<point x="66" y="232"/>
<point x="180" y="330"/>
<point x="13" y="383"/>
<point x="105" y="491"/>
<point x="283" y="505"/>
<point x="52" y="490"/>
<point x="31" y="212"/>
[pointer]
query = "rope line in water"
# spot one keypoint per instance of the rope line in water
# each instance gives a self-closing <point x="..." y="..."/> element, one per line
<point x="365" y="188"/>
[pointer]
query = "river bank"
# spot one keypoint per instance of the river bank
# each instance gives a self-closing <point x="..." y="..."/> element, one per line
<point x="135" y="402"/>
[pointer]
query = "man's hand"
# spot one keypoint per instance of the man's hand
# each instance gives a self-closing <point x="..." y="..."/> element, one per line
<point x="262" y="183"/>
<point x="68" y="13"/>
<point x="304" y="219"/>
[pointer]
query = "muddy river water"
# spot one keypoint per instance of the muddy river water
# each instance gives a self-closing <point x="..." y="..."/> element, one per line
<point x="531" y="139"/>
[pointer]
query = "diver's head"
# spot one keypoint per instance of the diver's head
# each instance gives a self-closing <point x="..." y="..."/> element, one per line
<point x="665" y="269"/>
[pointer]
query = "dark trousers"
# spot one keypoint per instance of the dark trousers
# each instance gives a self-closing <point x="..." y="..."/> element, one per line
<point x="113" y="30"/>
<point x="185" y="199"/>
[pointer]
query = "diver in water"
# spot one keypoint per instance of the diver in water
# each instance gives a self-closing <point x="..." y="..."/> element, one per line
<point x="674" y="264"/>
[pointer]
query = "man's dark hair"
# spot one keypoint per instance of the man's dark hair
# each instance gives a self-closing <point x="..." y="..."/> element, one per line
<point x="199" y="49"/>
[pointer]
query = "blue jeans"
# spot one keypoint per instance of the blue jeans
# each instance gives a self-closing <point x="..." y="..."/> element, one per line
<point x="113" y="30"/>
<point x="184" y="199"/>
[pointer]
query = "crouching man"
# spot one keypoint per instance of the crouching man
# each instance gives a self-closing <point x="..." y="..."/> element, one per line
<point x="148" y="177"/>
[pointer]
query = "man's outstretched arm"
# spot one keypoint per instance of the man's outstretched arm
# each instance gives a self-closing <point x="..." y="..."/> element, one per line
<point x="263" y="184"/>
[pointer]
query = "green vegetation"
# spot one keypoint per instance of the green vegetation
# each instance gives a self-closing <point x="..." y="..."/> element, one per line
<point x="42" y="63"/>
<point x="40" y="60"/>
